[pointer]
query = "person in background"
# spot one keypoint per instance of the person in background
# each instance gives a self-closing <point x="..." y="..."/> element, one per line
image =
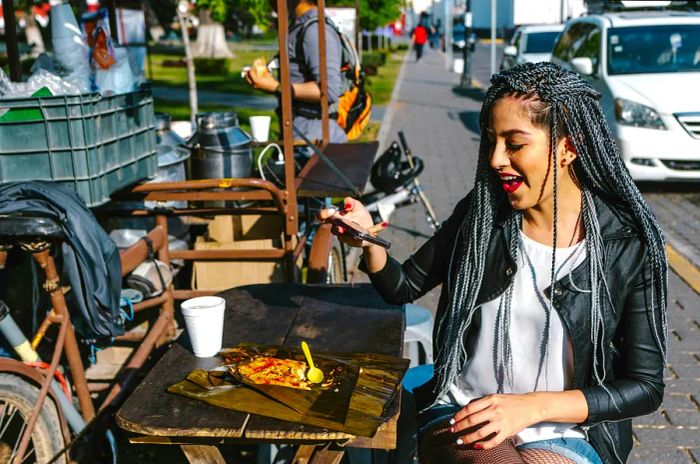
<point x="305" y="71"/>
<point x="550" y="332"/>
<point x="435" y="36"/>
<point x="419" y="36"/>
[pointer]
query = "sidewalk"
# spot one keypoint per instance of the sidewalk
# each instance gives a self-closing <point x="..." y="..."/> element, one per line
<point x="442" y="128"/>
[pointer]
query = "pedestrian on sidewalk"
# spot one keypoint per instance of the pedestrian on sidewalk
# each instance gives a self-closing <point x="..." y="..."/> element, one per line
<point x="550" y="332"/>
<point x="419" y="36"/>
<point x="305" y="71"/>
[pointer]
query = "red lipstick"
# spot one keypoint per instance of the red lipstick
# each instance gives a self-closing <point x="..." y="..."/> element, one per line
<point x="511" y="182"/>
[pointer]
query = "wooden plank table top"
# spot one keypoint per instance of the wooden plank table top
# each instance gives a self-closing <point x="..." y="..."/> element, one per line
<point x="332" y="318"/>
<point x="354" y="160"/>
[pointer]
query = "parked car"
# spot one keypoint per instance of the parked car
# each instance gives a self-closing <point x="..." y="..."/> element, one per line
<point x="646" y="65"/>
<point x="531" y="44"/>
<point x="460" y="39"/>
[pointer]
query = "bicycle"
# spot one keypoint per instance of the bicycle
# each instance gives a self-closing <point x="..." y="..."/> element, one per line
<point x="39" y="416"/>
<point x="395" y="183"/>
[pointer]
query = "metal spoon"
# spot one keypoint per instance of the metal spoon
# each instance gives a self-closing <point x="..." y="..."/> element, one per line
<point x="315" y="375"/>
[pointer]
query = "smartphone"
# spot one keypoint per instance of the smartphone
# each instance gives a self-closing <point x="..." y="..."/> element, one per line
<point x="357" y="231"/>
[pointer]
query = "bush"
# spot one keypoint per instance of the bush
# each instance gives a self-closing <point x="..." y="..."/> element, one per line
<point x="373" y="60"/>
<point x="402" y="47"/>
<point x="212" y="66"/>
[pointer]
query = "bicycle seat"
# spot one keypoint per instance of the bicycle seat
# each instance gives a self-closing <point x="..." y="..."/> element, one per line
<point x="19" y="227"/>
<point x="389" y="172"/>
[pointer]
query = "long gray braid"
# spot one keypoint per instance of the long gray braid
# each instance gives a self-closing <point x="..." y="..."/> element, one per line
<point x="568" y="106"/>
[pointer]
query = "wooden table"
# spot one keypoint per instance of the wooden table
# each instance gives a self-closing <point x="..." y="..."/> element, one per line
<point x="332" y="318"/>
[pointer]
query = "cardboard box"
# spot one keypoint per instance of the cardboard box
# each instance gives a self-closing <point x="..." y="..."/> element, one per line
<point x="221" y="275"/>
<point x="225" y="229"/>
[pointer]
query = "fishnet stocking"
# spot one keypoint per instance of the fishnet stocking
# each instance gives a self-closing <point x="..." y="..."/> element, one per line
<point x="541" y="456"/>
<point x="438" y="446"/>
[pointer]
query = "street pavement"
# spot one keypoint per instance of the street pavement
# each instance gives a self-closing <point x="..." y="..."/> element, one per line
<point x="441" y="127"/>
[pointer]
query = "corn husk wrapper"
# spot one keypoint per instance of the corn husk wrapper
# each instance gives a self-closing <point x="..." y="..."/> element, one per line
<point x="357" y="404"/>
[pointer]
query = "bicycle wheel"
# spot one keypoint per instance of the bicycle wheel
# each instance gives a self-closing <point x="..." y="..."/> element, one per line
<point x="17" y="399"/>
<point x="336" y="264"/>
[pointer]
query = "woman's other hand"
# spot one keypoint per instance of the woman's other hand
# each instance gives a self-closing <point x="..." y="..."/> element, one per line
<point x="499" y="417"/>
<point x="352" y="211"/>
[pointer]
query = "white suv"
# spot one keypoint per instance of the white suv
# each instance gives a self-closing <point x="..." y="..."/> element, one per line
<point x="646" y="65"/>
<point x="530" y="44"/>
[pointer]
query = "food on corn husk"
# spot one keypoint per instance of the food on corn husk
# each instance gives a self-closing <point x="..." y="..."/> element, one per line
<point x="265" y="370"/>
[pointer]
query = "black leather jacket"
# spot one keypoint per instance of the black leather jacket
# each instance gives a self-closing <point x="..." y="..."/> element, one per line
<point x="633" y="363"/>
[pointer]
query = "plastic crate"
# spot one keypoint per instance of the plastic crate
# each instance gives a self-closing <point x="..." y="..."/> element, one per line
<point x="96" y="144"/>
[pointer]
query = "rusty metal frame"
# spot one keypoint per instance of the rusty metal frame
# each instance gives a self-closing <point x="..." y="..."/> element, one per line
<point x="66" y="344"/>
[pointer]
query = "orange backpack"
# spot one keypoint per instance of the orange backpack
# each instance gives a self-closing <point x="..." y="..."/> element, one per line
<point x="354" y="107"/>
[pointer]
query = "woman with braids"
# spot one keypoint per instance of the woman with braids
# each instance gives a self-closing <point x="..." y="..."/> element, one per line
<point x="550" y="331"/>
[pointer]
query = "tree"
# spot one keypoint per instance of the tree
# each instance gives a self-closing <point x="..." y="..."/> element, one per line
<point x="211" y="37"/>
<point x="373" y="13"/>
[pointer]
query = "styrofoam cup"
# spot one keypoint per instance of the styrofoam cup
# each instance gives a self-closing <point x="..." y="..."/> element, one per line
<point x="260" y="127"/>
<point x="204" y="319"/>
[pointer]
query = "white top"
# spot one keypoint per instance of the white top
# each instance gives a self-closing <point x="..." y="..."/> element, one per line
<point x="478" y="377"/>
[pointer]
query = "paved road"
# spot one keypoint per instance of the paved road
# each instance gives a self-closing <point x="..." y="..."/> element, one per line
<point x="441" y="127"/>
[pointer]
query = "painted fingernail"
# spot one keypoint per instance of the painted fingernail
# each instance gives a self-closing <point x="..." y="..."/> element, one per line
<point x="478" y="446"/>
<point x="460" y="441"/>
<point x="348" y="206"/>
<point x="452" y="430"/>
<point x="452" y="422"/>
<point x="385" y="225"/>
<point x="341" y="230"/>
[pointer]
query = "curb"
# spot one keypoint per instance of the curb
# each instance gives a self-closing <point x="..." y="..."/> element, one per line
<point x="383" y="134"/>
<point x="687" y="271"/>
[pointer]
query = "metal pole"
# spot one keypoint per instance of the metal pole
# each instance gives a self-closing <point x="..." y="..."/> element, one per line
<point x="112" y="9"/>
<point x="493" y="37"/>
<point x="189" y="60"/>
<point x="8" y="7"/>
<point x="561" y="11"/>
<point x="448" y="34"/>
<point x="323" y="75"/>
<point x="291" y="226"/>
<point x="358" y="33"/>
<point x="465" y="81"/>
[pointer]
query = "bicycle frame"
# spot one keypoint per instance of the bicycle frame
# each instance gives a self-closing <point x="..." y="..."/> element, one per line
<point x="66" y="344"/>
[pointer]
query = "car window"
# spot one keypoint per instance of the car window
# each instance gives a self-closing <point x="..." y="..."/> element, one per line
<point x="571" y="40"/>
<point x="590" y="47"/>
<point x="540" y="42"/>
<point x="654" y="49"/>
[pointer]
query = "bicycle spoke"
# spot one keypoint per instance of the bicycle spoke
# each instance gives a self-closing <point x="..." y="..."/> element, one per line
<point x="19" y="439"/>
<point x="9" y="421"/>
<point x="2" y="413"/>
<point x="27" y="454"/>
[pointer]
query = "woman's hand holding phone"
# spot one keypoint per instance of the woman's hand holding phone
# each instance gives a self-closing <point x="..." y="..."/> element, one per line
<point x="353" y="224"/>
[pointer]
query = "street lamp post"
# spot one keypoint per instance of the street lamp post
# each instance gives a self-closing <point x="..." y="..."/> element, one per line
<point x="465" y="80"/>
<point x="448" y="33"/>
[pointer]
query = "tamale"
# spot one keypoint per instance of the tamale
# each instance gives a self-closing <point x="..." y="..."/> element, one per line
<point x="368" y="397"/>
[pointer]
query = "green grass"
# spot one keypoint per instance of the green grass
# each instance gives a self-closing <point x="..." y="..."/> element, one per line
<point x="230" y="82"/>
<point x="382" y="85"/>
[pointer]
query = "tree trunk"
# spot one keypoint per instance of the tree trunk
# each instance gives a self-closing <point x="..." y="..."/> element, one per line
<point x="211" y="38"/>
<point x="190" y="69"/>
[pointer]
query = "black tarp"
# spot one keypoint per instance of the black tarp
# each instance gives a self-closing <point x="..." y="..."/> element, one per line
<point x="91" y="262"/>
